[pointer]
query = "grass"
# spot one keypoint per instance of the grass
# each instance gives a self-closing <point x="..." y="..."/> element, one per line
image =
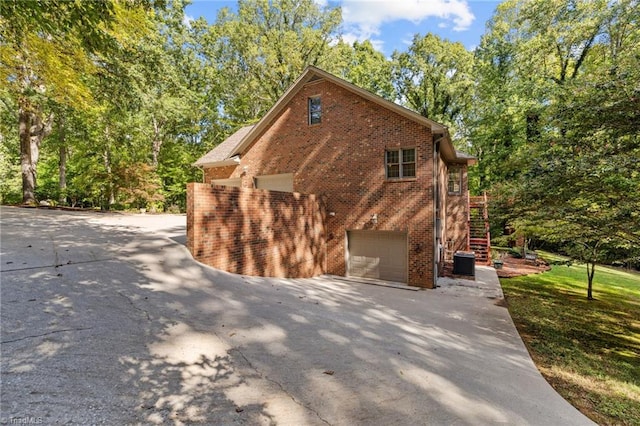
<point x="589" y="351"/>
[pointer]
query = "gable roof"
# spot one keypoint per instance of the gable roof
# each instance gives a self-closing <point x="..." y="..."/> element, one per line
<point x="463" y="157"/>
<point x="244" y="137"/>
<point x="222" y="154"/>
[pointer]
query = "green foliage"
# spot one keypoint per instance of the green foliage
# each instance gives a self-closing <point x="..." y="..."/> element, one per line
<point x="496" y="121"/>
<point x="175" y="171"/>
<point x="49" y="53"/>
<point x="10" y="190"/>
<point x="261" y="50"/>
<point x="365" y="67"/>
<point x="559" y="146"/>
<point x="114" y="87"/>
<point x="139" y="186"/>
<point x="434" y="78"/>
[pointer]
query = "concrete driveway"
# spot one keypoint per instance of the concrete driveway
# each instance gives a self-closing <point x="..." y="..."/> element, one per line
<point x="106" y="319"/>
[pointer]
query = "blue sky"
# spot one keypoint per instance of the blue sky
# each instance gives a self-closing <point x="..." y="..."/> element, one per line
<point x="391" y="24"/>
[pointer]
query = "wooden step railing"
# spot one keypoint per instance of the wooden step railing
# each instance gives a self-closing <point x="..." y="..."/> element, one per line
<point x="478" y="235"/>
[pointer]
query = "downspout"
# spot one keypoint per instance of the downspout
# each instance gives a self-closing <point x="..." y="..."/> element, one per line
<point x="436" y="249"/>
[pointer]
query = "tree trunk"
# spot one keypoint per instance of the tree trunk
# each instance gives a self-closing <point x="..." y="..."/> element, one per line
<point x="31" y="131"/>
<point x="591" y="269"/>
<point x="106" y="156"/>
<point x="62" y="169"/>
<point x="62" y="162"/>
<point x="110" y="193"/>
<point x="39" y="130"/>
<point x="26" y="164"/>
<point x="156" y="143"/>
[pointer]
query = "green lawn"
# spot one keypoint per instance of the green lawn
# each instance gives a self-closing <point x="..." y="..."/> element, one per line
<point x="588" y="350"/>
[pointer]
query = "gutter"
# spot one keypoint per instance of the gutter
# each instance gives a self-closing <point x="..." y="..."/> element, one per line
<point x="233" y="161"/>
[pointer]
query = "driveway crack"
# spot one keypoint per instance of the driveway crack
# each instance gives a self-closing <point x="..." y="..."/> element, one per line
<point x="134" y="305"/>
<point x="293" y="398"/>
<point x="56" y="265"/>
<point x="46" y="334"/>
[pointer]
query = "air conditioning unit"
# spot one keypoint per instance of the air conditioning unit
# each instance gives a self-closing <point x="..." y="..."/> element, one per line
<point x="464" y="263"/>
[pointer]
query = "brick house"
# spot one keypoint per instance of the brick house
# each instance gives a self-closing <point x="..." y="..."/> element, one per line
<point x="335" y="180"/>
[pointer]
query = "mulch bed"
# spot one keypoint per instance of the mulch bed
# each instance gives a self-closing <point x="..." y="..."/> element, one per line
<point x="514" y="267"/>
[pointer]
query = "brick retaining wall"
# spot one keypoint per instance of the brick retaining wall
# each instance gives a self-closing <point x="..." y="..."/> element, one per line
<point x="256" y="232"/>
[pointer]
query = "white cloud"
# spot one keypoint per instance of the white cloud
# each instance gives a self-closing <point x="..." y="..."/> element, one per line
<point x="350" y="38"/>
<point x="187" y="20"/>
<point x="363" y="18"/>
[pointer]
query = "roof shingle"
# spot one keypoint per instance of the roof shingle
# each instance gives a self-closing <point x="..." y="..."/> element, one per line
<point x="224" y="151"/>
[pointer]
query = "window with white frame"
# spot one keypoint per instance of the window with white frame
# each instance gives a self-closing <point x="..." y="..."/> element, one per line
<point x="401" y="163"/>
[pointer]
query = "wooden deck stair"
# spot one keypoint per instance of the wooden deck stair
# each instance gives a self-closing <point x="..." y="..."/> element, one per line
<point x="479" y="239"/>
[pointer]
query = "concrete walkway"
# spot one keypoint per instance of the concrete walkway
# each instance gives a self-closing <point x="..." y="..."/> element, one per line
<point x="106" y="319"/>
<point x="486" y="284"/>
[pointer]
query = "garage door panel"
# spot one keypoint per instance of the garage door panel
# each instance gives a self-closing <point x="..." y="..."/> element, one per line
<point x="377" y="254"/>
<point x="364" y="266"/>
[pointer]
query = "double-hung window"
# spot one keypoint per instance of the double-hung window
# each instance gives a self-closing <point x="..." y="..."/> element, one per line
<point x="401" y="163"/>
<point x="315" y="110"/>
<point x="454" y="183"/>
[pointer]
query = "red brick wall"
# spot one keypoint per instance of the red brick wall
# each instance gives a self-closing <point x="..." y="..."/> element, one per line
<point x="457" y="215"/>
<point x="342" y="160"/>
<point x="217" y="173"/>
<point x="256" y="232"/>
<point x="441" y="214"/>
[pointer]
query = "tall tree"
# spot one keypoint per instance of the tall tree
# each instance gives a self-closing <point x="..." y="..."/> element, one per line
<point x="434" y="78"/>
<point x="45" y="56"/>
<point x="263" y="48"/>
<point x="167" y="68"/>
<point x="496" y="120"/>
<point x="361" y="64"/>
<point x="580" y="178"/>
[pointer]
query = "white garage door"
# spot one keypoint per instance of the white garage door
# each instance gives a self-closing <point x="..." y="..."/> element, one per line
<point x="282" y="182"/>
<point x="377" y="254"/>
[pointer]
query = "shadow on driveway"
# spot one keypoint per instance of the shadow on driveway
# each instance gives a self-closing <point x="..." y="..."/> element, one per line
<point x="107" y="319"/>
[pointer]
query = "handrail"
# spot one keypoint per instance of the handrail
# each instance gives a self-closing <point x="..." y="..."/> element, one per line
<point x="479" y="201"/>
<point x="468" y="222"/>
<point x="486" y="225"/>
